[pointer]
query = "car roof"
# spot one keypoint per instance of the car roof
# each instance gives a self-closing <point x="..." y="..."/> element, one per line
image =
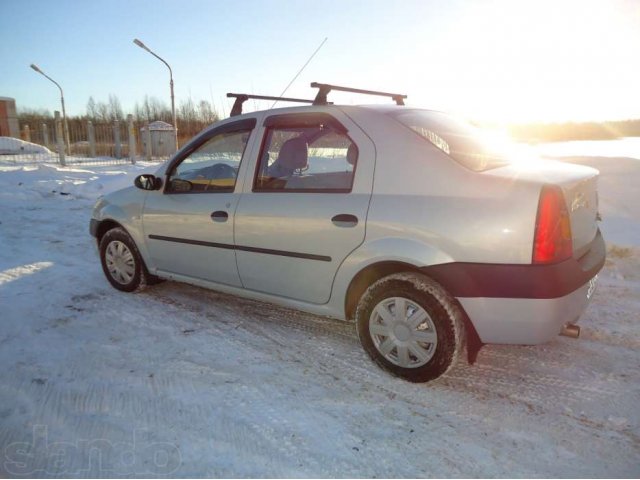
<point x="376" y="107"/>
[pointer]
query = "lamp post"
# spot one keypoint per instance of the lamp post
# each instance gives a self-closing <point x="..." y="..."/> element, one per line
<point x="173" y="106"/>
<point x="64" y="113"/>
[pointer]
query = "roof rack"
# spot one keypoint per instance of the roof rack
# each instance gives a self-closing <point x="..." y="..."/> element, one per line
<point x="243" y="97"/>
<point x="325" y="88"/>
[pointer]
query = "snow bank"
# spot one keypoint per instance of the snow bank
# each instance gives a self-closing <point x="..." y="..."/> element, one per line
<point x="15" y="146"/>
<point x="87" y="182"/>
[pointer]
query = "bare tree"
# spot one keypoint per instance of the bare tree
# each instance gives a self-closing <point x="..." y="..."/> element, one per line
<point x="187" y="110"/>
<point x="138" y="114"/>
<point x="102" y="112"/>
<point x="187" y="117"/>
<point x="206" y="113"/>
<point x="115" y="109"/>
<point x="153" y="109"/>
<point x="92" y="112"/>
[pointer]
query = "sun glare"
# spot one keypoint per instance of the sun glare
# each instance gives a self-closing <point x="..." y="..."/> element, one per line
<point x="539" y="61"/>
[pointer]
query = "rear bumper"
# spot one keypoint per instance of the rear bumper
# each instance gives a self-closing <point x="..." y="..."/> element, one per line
<point x="523" y="304"/>
<point x="526" y="321"/>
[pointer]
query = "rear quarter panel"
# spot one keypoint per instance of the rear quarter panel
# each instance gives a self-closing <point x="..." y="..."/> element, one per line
<point x="422" y="194"/>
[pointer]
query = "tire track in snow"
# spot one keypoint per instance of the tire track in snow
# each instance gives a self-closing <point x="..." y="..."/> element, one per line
<point x="543" y="391"/>
<point x="535" y="385"/>
<point x="352" y="372"/>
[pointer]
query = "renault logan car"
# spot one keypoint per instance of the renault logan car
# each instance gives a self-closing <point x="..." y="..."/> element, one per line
<point x="407" y="220"/>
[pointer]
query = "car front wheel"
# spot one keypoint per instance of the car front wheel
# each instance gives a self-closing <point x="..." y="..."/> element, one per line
<point x="121" y="261"/>
<point x="410" y="326"/>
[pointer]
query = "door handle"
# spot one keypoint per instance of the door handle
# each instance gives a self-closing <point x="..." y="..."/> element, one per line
<point x="345" y="220"/>
<point x="219" y="216"/>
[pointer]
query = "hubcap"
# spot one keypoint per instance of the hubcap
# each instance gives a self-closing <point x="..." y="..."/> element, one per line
<point x="120" y="262"/>
<point x="403" y="332"/>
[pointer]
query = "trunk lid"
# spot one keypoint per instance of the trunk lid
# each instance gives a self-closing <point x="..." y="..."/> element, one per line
<point x="579" y="185"/>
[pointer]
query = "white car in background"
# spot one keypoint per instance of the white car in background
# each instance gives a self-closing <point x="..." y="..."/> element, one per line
<point x="403" y="219"/>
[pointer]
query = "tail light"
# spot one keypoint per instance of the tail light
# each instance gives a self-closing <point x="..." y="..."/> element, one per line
<point x="552" y="239"/>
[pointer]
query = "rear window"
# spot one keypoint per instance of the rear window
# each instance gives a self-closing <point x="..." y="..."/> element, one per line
<point x="466" y="144"/>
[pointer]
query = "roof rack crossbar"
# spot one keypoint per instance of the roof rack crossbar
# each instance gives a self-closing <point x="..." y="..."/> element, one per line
<point x="325" y="88"/>
<point x="243" y="97"/>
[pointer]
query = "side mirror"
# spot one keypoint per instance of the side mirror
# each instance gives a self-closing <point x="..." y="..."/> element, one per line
<point x="146" y="181"/>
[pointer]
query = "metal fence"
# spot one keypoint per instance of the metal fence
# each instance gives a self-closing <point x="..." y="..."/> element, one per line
<point x="81" y="142"/>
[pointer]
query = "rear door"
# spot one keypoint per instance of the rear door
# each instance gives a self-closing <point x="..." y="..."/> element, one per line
<point x="188" y="227"/>
<point x="308" y="204"/>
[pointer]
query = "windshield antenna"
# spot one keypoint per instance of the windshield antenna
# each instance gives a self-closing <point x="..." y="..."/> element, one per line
<point x="300" y="71"/>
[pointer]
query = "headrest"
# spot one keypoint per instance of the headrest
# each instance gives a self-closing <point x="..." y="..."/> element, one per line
<point x="293" y="154"/>
<point x="352" y="154"/>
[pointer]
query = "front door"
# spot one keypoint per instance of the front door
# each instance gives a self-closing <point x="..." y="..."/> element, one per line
<point x="188" y="227"/>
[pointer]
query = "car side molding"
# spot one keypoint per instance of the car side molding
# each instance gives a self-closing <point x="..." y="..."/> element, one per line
<point x="226" y="246"/>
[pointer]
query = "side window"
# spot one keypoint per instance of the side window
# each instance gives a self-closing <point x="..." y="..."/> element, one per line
<point x="306" y="159"/>
<point x="212" y="167"/>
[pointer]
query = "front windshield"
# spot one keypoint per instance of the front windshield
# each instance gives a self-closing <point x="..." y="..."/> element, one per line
<point x="466" y="144"/>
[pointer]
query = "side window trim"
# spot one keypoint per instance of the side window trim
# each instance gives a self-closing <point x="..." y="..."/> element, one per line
<point x="310" y="119"/>
<point x="247" y="124"/>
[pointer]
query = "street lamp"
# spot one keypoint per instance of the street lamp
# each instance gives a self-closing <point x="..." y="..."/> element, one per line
<point x="64" y="113"/>
<point x="173" y="106"/>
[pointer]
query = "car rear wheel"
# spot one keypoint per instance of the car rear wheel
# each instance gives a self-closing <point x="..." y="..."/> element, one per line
<point x="121" y="261"/>
<point x="410" y="326"/>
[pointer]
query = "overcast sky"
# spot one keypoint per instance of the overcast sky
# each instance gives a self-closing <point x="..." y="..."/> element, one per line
<point x="496" y="60"/>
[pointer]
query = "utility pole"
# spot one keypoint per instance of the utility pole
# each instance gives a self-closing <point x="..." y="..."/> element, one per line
<point x="173" y="105"/>
<point x="64" y="112"/>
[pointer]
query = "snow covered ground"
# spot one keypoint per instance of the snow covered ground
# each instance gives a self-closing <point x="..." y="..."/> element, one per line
<point x="182" y="381"/>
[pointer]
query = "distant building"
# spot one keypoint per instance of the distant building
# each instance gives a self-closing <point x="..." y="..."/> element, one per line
<point x="8" y="118"/>
<point x="163" y="141"/>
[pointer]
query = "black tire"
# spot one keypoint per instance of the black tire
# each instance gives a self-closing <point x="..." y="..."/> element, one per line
<point x="443" y="310"/>
<point x="140" y="277"/>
